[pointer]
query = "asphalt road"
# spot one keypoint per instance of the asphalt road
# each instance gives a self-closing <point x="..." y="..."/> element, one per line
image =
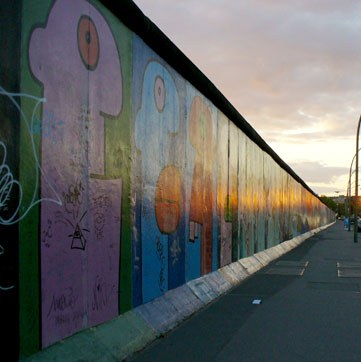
<point x="310" y="311"/>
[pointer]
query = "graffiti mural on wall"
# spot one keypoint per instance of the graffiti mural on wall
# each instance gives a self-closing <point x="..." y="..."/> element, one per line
<point x="105" y="125"/>
<point x="75" y="58"/>
<point x="161" y="182"/>
<point x="202" y="202"/>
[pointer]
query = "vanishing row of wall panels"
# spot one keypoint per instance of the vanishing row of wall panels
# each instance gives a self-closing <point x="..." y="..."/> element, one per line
<point x="119" y="179"/>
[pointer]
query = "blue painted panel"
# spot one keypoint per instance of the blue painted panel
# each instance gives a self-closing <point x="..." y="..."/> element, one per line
<point x="158" y="115"/>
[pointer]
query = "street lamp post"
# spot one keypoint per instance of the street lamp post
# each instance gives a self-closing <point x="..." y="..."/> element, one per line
<point x="356" y="185"/>
<point x="348" y="199"/>
<point x="349" y="191"/>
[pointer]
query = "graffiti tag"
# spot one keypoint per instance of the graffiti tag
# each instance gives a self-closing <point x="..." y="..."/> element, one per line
<point x="161" y="256"/>
<point x="73" y="198"/>
<point x="47" y="234"/>
<point x="78" y="238"/>
<point x="63" y="302"/>
<point x="102" y="204"/>
<point x="101" y="293"/>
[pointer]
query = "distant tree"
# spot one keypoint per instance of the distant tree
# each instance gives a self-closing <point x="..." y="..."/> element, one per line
<point x="330" y="203"/>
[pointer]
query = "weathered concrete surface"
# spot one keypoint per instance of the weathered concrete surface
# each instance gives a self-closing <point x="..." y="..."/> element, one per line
<point x="133" y="331"/>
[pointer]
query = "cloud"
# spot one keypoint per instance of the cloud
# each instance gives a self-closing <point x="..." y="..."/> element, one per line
<point x="316" y="172"/>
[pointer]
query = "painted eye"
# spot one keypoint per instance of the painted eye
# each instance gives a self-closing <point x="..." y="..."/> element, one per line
<point x="159" y="93"/>
<point x="88" y="42"/>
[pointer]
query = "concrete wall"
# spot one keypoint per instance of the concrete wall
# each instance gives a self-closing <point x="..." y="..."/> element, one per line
<point x="121" y="177"/>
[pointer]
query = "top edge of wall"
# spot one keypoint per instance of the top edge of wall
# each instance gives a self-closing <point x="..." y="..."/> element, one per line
<point x="131" y="15"/>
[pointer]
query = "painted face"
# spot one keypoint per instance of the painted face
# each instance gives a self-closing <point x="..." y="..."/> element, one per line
<point x="77" y="61"/>
<point x="75" y="57"/>
<point x="74" y="48"/>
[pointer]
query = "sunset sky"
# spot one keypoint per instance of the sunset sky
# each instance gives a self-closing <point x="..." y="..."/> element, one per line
<point x="291" y="68"/>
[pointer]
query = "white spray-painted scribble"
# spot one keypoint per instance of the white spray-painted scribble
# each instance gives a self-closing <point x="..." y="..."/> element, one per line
<point x="7" y="181"/>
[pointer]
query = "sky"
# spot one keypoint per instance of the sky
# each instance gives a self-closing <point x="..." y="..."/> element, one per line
<point x="292" y="69"/>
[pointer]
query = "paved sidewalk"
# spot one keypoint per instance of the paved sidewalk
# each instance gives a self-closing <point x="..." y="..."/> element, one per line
<point x="310" y="310"/>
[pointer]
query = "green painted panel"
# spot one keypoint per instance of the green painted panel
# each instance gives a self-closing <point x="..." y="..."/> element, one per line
<point x="118" y="138"/>
<point x="33" y="13"/>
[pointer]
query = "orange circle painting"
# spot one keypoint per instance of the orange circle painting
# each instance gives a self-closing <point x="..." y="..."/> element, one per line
<point x="88" y="42"/>
<point x="168" y="197"/>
